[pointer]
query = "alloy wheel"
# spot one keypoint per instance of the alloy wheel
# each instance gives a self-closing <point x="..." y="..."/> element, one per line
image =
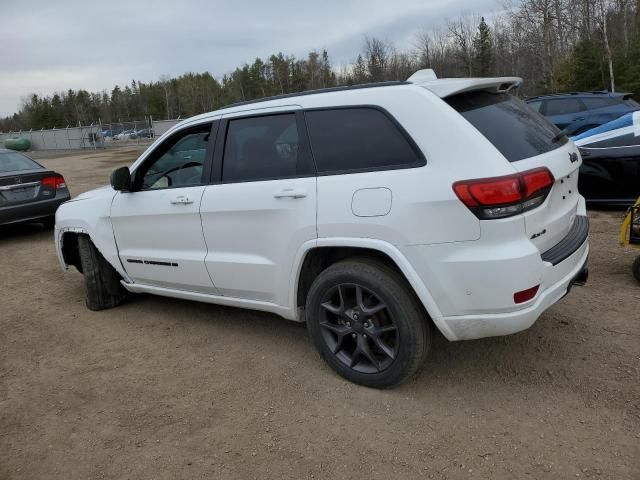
<point x="358" y="328"/>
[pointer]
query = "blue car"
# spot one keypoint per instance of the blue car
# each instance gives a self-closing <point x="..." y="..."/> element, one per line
<point x="579" y="112"/>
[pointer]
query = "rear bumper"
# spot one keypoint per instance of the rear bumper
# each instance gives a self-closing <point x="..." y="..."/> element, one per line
<point x="473" y="283"/>
<point x="32" y="212"/>
<point x="558" y="281"/>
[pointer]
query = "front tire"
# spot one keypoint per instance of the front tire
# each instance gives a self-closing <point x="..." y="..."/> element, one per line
<point x="102" y="282"/>
<point x="367" y="324"/>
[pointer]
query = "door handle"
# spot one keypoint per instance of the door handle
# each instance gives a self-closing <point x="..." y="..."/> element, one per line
<point x="181" y="200"/>
<point x="289" y="193"/>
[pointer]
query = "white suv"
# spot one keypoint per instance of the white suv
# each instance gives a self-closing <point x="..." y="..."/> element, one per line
<point x="369" y="212"/>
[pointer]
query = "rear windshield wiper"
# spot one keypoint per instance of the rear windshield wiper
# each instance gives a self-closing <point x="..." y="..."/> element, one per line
<point x="561" y="134"/>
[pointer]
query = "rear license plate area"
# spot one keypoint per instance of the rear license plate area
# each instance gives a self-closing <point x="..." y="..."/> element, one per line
<point x="18" y="194"/>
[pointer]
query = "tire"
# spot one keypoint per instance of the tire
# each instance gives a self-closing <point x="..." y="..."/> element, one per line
<point x="378" y="341"/>
<point x="102" y="282"/>
<point x="49" y="222"/>
<point x="635" y="268"/>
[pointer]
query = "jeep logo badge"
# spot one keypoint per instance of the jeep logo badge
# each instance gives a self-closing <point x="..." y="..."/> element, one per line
<point x="573" y="157"/>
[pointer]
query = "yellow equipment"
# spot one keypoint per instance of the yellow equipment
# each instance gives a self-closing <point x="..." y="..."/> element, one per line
<point x="630" y="234"/>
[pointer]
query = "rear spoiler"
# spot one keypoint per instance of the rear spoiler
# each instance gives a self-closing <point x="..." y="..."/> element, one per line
<point x="445" y="87"/>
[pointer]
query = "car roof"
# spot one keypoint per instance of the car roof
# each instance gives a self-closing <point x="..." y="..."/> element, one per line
<point x="425" y="78"/>
<point x="601" y="93"/>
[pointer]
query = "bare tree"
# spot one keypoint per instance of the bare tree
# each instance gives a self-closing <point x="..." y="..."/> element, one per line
<point x="461" y="32"/>
<point x="604" y="11"/>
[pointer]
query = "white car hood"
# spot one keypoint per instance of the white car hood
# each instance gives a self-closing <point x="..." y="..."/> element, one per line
<point x="102" y="192"/>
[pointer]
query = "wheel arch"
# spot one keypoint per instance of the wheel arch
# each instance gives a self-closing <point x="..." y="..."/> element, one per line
<point x="318" y="255"/>
<point x="69" y="250"/>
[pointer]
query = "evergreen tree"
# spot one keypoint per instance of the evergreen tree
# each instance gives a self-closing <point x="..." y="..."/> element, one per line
<point x="483" y="50"/>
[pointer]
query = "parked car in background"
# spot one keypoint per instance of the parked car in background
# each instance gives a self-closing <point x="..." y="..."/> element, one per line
<point x="372" y="213"/>
<point x="29" y="192"/>
<point x="143" y="133"/>
<point x="610" y="171"/>
<point x="582" y="111"/>
<point x="124" y="135"/>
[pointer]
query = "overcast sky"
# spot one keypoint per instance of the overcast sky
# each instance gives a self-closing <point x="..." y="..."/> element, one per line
<point x="51" y="46"/>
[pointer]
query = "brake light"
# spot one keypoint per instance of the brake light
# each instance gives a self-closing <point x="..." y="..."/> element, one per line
<point x="54" y="181"/>
<point x="501" y="197"/>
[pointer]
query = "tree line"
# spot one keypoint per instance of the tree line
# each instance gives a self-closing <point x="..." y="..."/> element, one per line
<point x="555" y="45"/>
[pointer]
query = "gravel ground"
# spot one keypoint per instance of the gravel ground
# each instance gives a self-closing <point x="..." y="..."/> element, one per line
<point x="164" y="389"/>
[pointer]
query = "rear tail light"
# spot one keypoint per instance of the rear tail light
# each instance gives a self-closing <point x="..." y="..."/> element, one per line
<point x="501" y="197"/>
<point x="525" y="295"/>
<point x="54" y="181"/>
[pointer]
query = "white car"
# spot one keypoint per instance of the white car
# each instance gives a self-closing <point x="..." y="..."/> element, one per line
<point x="372" y="213"/>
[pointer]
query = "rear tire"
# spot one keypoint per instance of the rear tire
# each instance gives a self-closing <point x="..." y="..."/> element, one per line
<point x="367" y="324"/>
<point x="102" y="282"/>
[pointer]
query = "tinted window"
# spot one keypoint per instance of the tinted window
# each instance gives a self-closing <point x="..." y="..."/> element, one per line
<point x="508" y="123"/>
<point x="535" y="105"/>
<point x="179" y="161"/>
<point x="599" y="102"/>
<point x="259" y="148"/>
<point x="357" y="139"/>
<point x="562" y="106"/>
<point x="11" y="161"/>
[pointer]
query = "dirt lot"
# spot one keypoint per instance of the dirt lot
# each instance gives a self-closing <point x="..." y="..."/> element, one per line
<point x="165" y="389"/>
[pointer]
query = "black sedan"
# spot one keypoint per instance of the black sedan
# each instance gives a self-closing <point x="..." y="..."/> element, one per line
<point x="29" y="192"/>
<point x="610" y="171"/>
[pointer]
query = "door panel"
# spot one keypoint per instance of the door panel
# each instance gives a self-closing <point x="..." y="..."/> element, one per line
<point x="157" y="225"/>
<point x="262" y="205"/>
<point x="610" y="174"/>
<point x="159" y="237"/>
<point x="253" y="231"/>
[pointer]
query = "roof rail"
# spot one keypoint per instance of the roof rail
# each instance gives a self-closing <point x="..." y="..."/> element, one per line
<point x="318" y="91"/>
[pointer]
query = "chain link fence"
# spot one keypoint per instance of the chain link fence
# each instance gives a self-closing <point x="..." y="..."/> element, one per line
<point x="93" y="136"/>
<point x="70" y="138"/>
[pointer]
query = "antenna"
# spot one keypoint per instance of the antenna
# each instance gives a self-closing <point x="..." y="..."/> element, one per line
<point x="424" y="75"/>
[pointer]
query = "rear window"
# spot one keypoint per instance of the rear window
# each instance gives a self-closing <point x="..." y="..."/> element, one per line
<point x="10" y="162"/>
<point x="600" y="102"/>
<point x="516" y="130"/>
<point x="358" y="139"/>
<point x="563" y="106"/>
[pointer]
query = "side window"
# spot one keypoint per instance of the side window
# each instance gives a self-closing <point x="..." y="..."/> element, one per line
<point x="179" y="161"/>
<point x="535" y="105"/>
<point x="592" y="103"/>
<point x="563" y="106"/>
<point x="261" y="148"/>
<point x="356" y="139"/>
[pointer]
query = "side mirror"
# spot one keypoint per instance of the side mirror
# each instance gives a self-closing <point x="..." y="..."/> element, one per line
<point x="121" y="179"/>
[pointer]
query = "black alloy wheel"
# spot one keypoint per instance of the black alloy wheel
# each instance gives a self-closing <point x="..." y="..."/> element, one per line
<point x="358" y="328"/>
<point x="367" y="323"/>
